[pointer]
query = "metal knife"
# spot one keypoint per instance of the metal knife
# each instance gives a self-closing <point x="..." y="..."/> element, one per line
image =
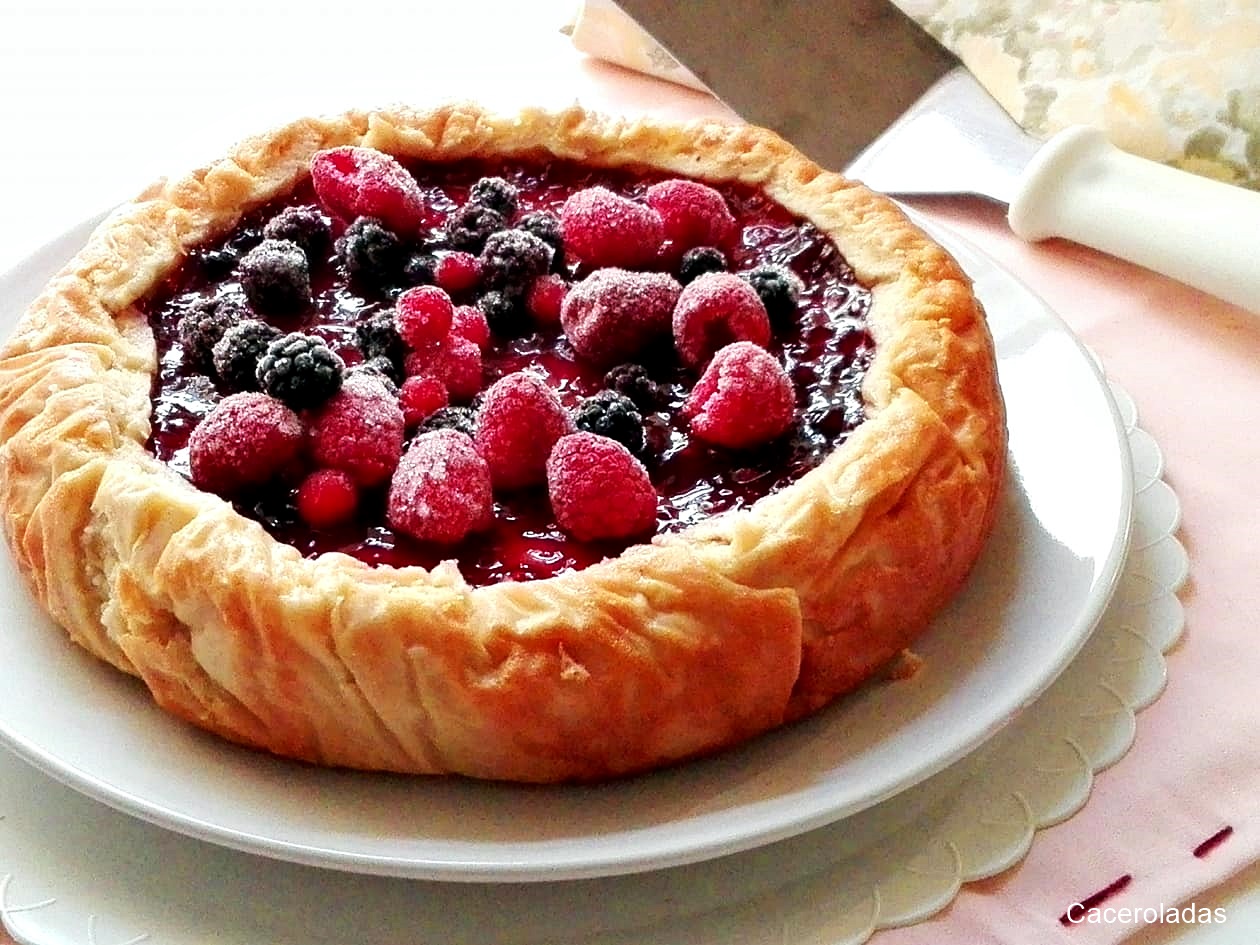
<point x="832" y="77"/>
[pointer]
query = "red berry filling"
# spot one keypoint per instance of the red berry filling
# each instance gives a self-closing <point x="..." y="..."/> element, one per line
<point x="821" y="345"/>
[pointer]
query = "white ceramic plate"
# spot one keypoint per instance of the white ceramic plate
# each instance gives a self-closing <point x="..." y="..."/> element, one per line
<point x="1030" y="605"/>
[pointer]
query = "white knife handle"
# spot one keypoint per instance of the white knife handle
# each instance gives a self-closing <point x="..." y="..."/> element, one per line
<point x="1200" y="231"/>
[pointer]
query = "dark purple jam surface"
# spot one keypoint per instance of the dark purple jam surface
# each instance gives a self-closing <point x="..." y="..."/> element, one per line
<point x="826" y="353"/>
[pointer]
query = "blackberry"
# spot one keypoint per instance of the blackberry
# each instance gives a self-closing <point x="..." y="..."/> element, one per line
<point x="470" y="226"/>
<point x="276" y="278"/>
<point x="304" y="225"/>
<point x="382" y="368"/>
<point x="300" y="370"/>
<point x="203" y="325"/>
<point x="612" y="415"/>
<point x="506" y="314"/>
<point x="377" y="337"/>
<point x="779" y="288"/>
<point x="463" y="419"/>
<point x="420" y="269"/>
<point x="374" y="257"/>
<point x="696" y="262"/>
<point x="219" y="263"/>
<point x="546" y="226"/>
<point x="236" y="354"/>
<point x="512" y="260"/>
<point x="495" y="193"/>
<point x="632" y="381"/>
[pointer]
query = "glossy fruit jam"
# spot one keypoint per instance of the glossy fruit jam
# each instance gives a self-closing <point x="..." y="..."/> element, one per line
<point x="825" y="351"/>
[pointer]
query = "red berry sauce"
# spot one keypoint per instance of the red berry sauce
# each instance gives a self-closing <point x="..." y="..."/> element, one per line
<point x="826" y="352"/>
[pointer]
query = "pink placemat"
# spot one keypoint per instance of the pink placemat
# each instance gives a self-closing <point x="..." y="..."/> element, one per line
<point x="1179" y="813"/>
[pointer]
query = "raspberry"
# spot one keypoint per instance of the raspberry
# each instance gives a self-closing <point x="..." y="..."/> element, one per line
<point x="470" y="226"/>
<point x="779" y="289"/>
<point x="306" y="227"/>
<point x="355" y="182"/>
<point x="605" y="229"/>
<point x="545" y="299"/>
<point x="377" y="337"/>
<point x="327" y="497"/>
<point x="204" y="324"/>
<point x="423" y="316"/>
<point x="441" y="491"/>
<point x="359" y="431"/>
<point x="373" y="256"/>
<point x="521" y="418"/>
<point x="598" y="489"/>
<point x="463" y="419"/>
<point x="237" y="352"/>
<point x="420" y="269"/>
<point x="497" y="194"/>
<point x="245" y="440"/>
<point x="470" y="322"/>
<point x="696" y="262"/>
<point x="692" y="213"/>
<point x="421" y="396"/>
<point x="546" y="226"/>
<point x="457" y="272"/>
<point x="743" y="399"/>
<point x="512" y="259"/>
<point x="632" y="381"/>
<point x="612" y="415"/>
<point x="613" y="314"/>
<point x="456" y="362"/>
<point x="717" y="309"/>
<point x="300" y="370"/>
<point x="505" y="314"/>
<point x="276" y="278"/>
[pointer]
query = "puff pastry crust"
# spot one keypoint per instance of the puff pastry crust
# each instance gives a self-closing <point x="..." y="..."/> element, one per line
<point x="696" y="641"/>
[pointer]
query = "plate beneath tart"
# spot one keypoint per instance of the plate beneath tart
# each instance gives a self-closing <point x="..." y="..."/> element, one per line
<point x="1032" y="601"/>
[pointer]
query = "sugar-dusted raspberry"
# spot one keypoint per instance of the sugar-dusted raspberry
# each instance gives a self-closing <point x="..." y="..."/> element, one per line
<point x="276" y="277"/>
<point x="457" y="272"/>
<point x="717" y="309"/>
<point x="612" y="314"/>
<point x="545" y="299"/>
<point x="423" y="316"/>
<point x="237" y="352"/>
<point x="463" y="419"/>
<point x="360" y="431"/>
<point x="598" y="490"/>
<point x="355" y="182"/>
<point x="606" y="229"/>
<point x="779" y="289"/>
<point x="497" y="194"/>
<point x="469" y="322"/>
<point x="456" y="362"/>
<point x="441" y="491"/>
<point x="613" y="415"/>
<point x="305" y="226"/>
<point x="692" y="213"/>
<point x="512" y="259"/>
<point x="204" y="324"/>
<point x="521" y="418"/>
<point x="696" y="262"/>
<point x="505" y="314"/>
<point x="300" y="370"/>
<point x="420" y="397"/>
<point x="470" y="226"/>
<point x="372" y="254"/>
<point x="743" y="399"/>
<point x="244" y="441"/>
<point x="327" y="497"/>
<point x="634" y="382"/>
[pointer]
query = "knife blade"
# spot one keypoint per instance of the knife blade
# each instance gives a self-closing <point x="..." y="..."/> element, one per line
<point x="832" y="77"/>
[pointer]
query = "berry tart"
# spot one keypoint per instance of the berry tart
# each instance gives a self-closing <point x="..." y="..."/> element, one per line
<point x="543" y="448"/>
